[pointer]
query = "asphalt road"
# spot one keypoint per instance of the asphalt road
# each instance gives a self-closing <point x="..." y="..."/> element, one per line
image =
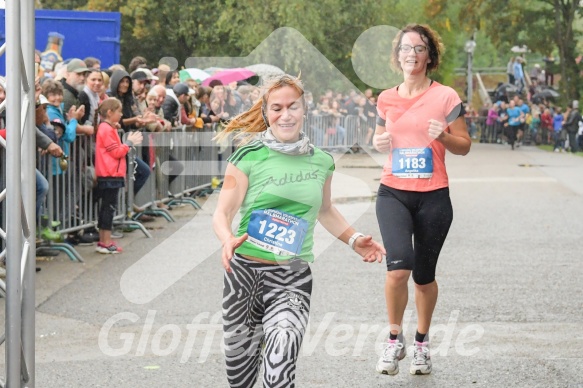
<point x="509" y="311"/>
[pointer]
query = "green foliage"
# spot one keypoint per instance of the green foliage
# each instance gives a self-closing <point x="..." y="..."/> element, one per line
<point x="231" y="28"/>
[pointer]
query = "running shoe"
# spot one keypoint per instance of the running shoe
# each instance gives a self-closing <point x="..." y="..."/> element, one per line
<point x="421" y="363"/>
<point x="389" y="362"/>
<point x="111" y="249"/>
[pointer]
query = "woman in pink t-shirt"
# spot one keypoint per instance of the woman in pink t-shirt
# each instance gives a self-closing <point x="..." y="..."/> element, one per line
<point x="417" y="121"/>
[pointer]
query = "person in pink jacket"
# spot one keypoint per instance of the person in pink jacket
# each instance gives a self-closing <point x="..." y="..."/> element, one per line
<point x="110" y="169"/>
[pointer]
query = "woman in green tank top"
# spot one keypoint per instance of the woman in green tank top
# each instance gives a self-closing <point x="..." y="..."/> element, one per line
<point x="281" y="185"/>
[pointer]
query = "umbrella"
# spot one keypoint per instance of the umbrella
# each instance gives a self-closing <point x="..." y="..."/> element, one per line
<point x="521" y="49"/>
<point x="265" y="71"/>
<point x="229" y="75"/>
<point x="506" y="88"/>
<point x="196" y="74"/>
<point x="213" y="70"/>
<point x="546" y="94"/>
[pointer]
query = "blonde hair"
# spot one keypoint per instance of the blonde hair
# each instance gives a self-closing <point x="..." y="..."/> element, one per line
<point x="248" y="124"/>
<point x="105" y="79"/>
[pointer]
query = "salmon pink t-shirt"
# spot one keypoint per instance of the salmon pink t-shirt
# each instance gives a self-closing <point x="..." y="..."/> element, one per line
<point x="416" y="161"/>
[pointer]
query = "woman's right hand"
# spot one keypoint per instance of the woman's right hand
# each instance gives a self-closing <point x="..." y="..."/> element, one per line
<point x="382" y="142"/>
<point x="229" y="250"/>
<point x="135" y="137"/>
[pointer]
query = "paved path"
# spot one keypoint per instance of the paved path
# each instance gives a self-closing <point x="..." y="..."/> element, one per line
<point x="509" y="312"/>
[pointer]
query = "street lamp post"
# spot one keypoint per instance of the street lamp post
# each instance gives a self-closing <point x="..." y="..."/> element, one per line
<point x="470" y="47"/>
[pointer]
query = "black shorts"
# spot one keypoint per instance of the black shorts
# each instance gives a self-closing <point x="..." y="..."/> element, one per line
<point x="414" y="226"/>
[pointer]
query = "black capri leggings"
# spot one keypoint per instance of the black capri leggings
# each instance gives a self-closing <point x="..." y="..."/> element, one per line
<point x="414" y="226"/>
<point x="107" y="206"/>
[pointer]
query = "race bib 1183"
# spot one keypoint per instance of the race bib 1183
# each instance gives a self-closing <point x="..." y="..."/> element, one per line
<point x="276" y="231"/>
<point x="412" y="162"/>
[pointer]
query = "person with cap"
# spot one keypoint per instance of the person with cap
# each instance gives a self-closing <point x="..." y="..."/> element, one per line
<point x="73" y="83"/>
<point x="175" y="98"/>
<point x="140" y="86"/>
<point x="571" y="124"/>
<point x="151" y="77"/>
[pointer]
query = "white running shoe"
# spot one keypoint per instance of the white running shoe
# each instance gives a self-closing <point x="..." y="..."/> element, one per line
<point x="421" y="363"/>
<point x="389" y="362"/>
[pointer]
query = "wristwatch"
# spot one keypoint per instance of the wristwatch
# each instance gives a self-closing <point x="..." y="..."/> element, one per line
<point x="353" y="238"/>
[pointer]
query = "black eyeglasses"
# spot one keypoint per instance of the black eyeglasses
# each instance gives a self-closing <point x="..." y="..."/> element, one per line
<point x="405" y="48"/>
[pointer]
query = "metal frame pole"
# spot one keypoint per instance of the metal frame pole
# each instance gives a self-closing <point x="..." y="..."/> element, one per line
<point x="29" y="191"/>
<point x="14" y="240"/>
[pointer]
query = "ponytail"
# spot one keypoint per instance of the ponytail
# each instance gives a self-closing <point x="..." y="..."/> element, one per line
<point x="247" y="124"/>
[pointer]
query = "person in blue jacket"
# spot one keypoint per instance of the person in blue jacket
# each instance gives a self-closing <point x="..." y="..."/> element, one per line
<point x="65" y="126"/>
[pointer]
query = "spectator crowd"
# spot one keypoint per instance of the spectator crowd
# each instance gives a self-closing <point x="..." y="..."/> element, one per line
<point x="526" y="109"/>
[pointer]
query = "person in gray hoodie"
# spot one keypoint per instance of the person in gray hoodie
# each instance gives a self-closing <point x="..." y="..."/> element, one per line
<point x="120" y="85"/>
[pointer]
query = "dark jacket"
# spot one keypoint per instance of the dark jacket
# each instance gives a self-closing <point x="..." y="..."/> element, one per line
<point x="572" y="123"/>
<point x="127" y="100"/>
<point x="84" y="100"/>
<point x="70" y="96"/>
<point x="170" y="108"/>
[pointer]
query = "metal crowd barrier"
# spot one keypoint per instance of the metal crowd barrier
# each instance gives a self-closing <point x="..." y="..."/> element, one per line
<point x="340" y="133"/>
<point x="192" y="155"/>
<point x="71" y="203"/>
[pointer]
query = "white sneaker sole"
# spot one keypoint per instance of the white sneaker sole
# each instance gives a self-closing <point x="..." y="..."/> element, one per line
<point x="414" y="370"/>
<point x="391" y="373"/>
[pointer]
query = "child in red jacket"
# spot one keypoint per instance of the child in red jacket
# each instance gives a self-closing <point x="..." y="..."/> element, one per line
<point x="110" y="169"/>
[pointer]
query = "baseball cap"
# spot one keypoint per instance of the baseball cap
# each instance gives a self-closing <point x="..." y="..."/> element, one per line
<point x="149" y="74"/>
<point x="58" y="122"/>
<point x="139" y="75"/>
<point x="77" y="66"/>
<point x="180" y="88"/>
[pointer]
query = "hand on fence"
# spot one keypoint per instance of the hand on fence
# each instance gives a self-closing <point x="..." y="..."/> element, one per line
<point x="436" y="129"/>
<point x="54" y="150"/>
<point x="135" y="137"/>
<point x="382" y="142"/>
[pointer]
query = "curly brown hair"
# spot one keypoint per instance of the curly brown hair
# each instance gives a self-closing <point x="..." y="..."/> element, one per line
<point x="435" y="47"/>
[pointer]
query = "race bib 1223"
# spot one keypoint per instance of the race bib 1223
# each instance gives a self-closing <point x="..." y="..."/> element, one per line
<point x="276" y="231"/>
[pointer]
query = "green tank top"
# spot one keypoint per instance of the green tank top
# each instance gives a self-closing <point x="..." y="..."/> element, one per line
<point x="282" y="202"/>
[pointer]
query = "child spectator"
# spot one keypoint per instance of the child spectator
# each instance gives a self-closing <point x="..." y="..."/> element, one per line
<point x="110" y="169"/>
<point x="65" y="127"/>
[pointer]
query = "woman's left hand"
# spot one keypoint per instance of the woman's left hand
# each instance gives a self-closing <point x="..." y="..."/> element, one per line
<point x="369" y="249"/>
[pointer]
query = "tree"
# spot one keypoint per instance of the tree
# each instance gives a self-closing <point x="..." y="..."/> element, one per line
<point x="542" y="25"/>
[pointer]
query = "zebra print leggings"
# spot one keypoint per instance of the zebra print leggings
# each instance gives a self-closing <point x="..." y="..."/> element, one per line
<point x="264" y="306"/>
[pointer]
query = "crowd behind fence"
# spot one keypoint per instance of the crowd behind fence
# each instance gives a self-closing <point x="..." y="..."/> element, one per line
<point x="183" y="164"/>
